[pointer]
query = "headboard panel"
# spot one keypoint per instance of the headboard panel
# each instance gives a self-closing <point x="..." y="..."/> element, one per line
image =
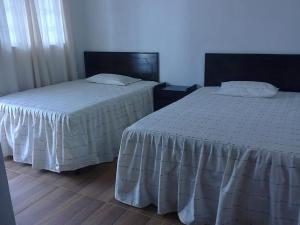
<point x="283" y="71"/>
<point x="133" y="64"/>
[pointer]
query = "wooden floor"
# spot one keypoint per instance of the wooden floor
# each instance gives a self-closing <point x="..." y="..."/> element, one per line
<point x="42" y="197"/>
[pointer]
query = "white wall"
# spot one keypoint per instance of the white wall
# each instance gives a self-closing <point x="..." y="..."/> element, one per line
<point x="183" y="30"/>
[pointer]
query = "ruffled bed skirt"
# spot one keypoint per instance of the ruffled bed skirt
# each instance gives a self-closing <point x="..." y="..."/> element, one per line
<point x="62" y="142"/>
<point x="208" y="182"/>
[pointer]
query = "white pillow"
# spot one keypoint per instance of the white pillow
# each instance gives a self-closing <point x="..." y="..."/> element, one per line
<point x="248" y="89"/>
<point x="113" y="79"/>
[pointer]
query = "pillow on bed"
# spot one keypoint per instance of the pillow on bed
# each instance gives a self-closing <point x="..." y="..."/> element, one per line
<point x="248" y="89"/>
<point x="113" y="79"/>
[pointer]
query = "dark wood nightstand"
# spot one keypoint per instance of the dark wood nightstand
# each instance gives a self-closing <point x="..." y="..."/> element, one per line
<point x="165" y="94"/>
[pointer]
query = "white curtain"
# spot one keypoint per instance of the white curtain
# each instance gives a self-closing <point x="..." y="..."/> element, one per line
<point x="36" y="47"/>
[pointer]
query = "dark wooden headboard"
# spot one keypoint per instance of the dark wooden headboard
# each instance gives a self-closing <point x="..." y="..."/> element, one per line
<point x="133" y="64"/>
<point x="283" y="71"/>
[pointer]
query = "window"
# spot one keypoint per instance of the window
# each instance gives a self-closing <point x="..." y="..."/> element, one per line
<point x="10" y="8"/>
<point x="47" y="14"/>
<point x="50" y="21"/>
<point x="9" y="16"/>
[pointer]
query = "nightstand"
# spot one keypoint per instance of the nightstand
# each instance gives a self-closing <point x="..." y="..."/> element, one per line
<point x="165" y="94"/>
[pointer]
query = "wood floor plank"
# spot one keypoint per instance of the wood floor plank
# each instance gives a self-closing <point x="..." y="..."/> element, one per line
<point x="47" y="198"/>
<point x="85" y="213"/>
<point x="155" y="221"/>
<point x="18" y="184"/>
<point x="29" y="194"/>
<point x="130" y="218"/>
<point x="73" y="211"/>
<point x="106" y="215"/>
<point x="108" y="195"/>
<point x="12" y="165"/>
<point x="115" y="202"/>
<point x="11" y="175"/>
<point x="96" y="187"/>
<point x="36" y="212"/>
<point x="28" y="170"/>
<point x="171" y="218"/>
<point x="50" y="178"/>
<point x="148" y="211"/>
<point x="76" y="182"/>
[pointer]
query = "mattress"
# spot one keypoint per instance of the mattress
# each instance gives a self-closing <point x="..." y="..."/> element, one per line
<point x="216" y="159"/>
<point x="70" y="125"/>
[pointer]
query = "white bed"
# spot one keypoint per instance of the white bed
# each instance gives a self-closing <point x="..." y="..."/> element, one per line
<point x="216" y="160"/>
<point x="70" y="125"/>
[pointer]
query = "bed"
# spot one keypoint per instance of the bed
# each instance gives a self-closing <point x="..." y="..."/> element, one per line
<point x="219" y="159"/>
<point x="75" y="124"/>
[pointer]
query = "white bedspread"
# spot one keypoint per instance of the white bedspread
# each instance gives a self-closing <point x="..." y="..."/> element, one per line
<point x="70" y="125"/>
<point x="216" y="160"/>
